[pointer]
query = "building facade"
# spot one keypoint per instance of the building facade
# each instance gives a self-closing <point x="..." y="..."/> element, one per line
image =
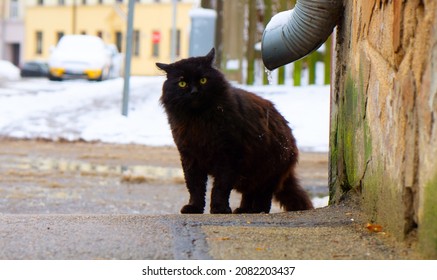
<point x="47" y="21"/>
<point x="12" y="31"/>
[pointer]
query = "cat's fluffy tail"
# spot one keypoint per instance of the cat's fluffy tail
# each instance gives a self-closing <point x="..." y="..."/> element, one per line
<point x="291" y="196"/>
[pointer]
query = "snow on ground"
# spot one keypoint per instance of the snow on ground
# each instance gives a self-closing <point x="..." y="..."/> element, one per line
<point x="91" y="111"/>
<point x="306" y="109"/>
<point x="8" y="71"/>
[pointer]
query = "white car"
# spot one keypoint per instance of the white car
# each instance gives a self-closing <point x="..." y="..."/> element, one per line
<point x="80" y="56"/>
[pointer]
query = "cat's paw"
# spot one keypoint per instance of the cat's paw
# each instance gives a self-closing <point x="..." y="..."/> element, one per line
<point x="221" y="210"/>
<point x="240" y="210"/>
<point x="191" y="209"/>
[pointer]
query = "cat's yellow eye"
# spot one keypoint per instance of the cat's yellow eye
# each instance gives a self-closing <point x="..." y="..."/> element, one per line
<point x="203" y="81"/>
<point x="182" y="84"/>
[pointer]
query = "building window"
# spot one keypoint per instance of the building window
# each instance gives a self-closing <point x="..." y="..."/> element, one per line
<point x="156" y="39"/>
<point x="119" y="40"/>
<point x="155" y="50"/>
<point x="136" y="43"/>
<point x="40" y="2"/>
<point x="59" y="35"/>
<point x="83" y="2"/>
<point x="39" y="42"/>
<point x="14" y="9"/>
<point x="61" y="2"/>
<point x="100" y="1"/>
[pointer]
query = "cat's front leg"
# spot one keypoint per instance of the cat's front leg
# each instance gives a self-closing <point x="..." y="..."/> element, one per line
<point x="220" y="194"/>
<point x="195" y="180"/>
<point x="245" y="204"/>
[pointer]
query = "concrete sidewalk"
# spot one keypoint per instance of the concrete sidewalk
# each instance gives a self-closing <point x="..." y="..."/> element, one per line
<point x="329" y="233"/>
<point x="90" y="201"/>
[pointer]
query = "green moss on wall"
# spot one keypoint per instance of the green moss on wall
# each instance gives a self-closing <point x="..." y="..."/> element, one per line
<point x="354" y="165"/>
<point x="370" y="191"/>
<point x="334" y="191"/>
<point x="350" y="127"/>
<point x="367" y="142"/>
<point x="428" y="225"/>
<point x="343" y="172"/>
<point x="353" y="144"/>
<point x="382" y="122"/>
<point x="381" y="202"/>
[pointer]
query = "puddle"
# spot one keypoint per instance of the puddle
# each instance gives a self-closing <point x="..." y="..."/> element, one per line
<point x="87" y="168"/>
<point x="133" y="174"/>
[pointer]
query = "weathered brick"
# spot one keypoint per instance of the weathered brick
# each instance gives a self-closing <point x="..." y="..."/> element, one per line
<point x="386" y="77"/>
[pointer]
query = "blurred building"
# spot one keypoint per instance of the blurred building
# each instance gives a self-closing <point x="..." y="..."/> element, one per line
<point x="47" y="21"/>
<point x="12" y="30"/>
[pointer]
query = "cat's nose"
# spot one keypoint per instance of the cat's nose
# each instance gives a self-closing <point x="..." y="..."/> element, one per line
<point x="194" y="90"/>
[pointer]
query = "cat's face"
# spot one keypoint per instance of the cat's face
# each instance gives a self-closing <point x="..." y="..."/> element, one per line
<point x="192" y="83"/>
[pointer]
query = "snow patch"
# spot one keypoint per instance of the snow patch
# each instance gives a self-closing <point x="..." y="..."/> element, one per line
<point x="91" y="111"/>
<point x="8" y="71"/>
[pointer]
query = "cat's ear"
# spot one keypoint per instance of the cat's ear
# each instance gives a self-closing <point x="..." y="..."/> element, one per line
<point x="210" y="56"/>
<point x="163" y="66"/>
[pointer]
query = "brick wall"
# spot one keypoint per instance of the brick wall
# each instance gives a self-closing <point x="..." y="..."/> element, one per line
<point x="384" y="115"/>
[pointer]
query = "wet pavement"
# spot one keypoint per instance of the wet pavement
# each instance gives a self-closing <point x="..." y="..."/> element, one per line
<point x="328" y="233"/>
<point x="39" y="177"/>
<point x="100" y="201"/>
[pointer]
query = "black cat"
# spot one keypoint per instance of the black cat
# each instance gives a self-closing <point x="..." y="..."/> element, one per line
<point x="235" y="136"/>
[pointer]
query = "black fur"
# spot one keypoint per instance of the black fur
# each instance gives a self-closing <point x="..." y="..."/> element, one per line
<point x="235" y="136"/>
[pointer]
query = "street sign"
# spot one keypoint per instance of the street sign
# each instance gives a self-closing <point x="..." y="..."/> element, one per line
<point x="156" y="37"/>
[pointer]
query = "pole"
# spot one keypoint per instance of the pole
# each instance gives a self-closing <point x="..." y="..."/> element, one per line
<point x="219" y="34"/>
<point x="173" y="32"/>
<point x="127" y="63"/>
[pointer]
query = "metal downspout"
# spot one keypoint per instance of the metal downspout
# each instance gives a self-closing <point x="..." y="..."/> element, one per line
<point x="293" y="34"/>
